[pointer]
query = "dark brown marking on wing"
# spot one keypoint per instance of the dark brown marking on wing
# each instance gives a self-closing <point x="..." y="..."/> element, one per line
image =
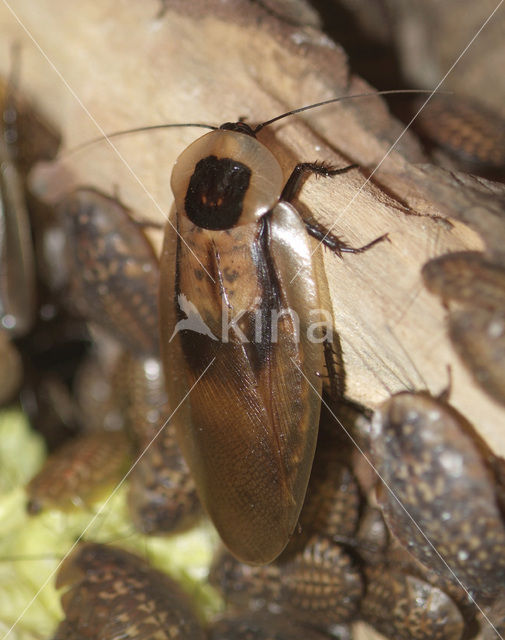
<point x="259" y="353"/>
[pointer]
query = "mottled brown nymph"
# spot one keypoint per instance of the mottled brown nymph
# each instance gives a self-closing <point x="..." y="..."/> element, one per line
<point x="473" y="289"/>
<point x="115" y="594"/>
<point x="113" y="269"/>
<point x="441" y="495"/>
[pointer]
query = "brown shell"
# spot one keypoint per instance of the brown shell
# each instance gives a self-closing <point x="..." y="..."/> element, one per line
<point x="322" y="586"/>
<point x="162" y="495"/>
<point x="77" y="470"/>
<point x="319" y="586"/>
<point x="333" y="501"/>
<point x="115" y="594"/>
<point x="478" y="336"/>
<point x="248" y="429"/>
<point x="405" y="607"/>
<point x="243" y="585"/>
<point x="472" y="133"/>
<point x="474" y="291"/>
<point x="17" y="260"/>
<point x="262" y="626"/>
<point x="114" y="271"/>
<point x="24" y="139"/>
<point x="466" y="277"/>
<point x="431" y="461"/>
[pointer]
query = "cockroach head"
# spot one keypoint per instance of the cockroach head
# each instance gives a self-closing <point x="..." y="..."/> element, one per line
<point x="239" y="127"/>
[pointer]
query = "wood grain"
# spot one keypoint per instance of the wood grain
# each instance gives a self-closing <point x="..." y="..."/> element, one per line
<point x="118" y="65"/>
<point x="214" y="62"/>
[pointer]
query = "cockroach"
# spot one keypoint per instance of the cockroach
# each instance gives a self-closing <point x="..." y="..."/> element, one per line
<point x="240" y="312"/>
<point x="473" y="288"/>
<point x="319" y="586"/>
<point x="113" y="269"/>
<point x="17" y="261"/>
<point x="78" y="469"/>
<point x="334" y="501"/>
<point x="405" y="607"/>
<point x="442" y="496"/>
<point x="242" y="259"/>
<point x="162" y="496"/>
<point x="130" y="393"/>
<point x="264" y="626"/>
<point x="468" y="131"/>
<point x="25" y="138"/>
<point x="115" y="594"/>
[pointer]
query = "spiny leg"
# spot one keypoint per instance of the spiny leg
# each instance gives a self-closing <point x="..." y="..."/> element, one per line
<point x="314" y="228"/>
<point x="333" y="360"/>
<point x="302" y="171"/>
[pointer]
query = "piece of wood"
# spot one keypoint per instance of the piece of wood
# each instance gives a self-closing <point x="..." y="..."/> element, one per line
<point x="120" y="65"/>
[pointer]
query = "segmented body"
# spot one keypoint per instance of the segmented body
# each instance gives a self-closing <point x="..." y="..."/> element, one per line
<point x="79" y="469"/>
<point x="115" y="594"/>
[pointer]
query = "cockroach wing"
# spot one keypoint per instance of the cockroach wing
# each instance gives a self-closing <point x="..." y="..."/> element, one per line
<point x="248" y="428"/>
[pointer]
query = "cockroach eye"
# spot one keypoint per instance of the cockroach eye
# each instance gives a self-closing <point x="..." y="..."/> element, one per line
<point x="226" y="178"/>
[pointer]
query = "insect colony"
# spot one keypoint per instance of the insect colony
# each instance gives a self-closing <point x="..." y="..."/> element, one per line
<point x="255" y="254"/>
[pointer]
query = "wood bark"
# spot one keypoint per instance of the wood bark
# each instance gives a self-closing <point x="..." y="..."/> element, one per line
<point x="107" y="66"/>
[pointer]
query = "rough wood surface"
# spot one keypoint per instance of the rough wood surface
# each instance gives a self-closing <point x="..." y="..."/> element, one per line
<point x="430" y="44"/>
<point x="121" y="65"/>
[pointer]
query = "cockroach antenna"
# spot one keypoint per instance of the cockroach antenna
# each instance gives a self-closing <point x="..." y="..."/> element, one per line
<point x="247" y="129"/>
<point x="315" y="105"/>
<point x="117" y="134"/>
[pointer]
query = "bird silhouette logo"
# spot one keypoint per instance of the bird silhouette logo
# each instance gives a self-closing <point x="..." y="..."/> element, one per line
<point x="193" y="320"/>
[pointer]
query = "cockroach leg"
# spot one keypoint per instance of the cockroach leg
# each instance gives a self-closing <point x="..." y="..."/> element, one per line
<point x="314" y="228"/>
<point x="333" y="242"/>
<point x="333" y="361"/>
<point x="302" y="171"/>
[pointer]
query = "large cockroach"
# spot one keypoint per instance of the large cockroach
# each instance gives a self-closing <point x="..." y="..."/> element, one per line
<point x="242" y="320"/>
